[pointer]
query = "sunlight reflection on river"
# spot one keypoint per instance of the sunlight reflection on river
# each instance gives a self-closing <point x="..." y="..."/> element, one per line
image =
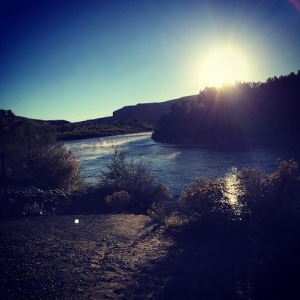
<point x="231" y="186"/>
<point x="174" y="165"/>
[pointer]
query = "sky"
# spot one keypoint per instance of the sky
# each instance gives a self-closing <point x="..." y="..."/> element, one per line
<point x="78" y="60"/>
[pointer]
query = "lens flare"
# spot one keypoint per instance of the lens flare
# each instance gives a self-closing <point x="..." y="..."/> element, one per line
<point x="223" y="66"/>
<point x="295" y="3"/>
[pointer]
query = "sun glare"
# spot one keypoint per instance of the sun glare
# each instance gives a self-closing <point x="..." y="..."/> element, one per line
<point x="223" y="66"/>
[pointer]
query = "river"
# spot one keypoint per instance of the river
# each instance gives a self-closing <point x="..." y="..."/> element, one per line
<point x="174" y="165"/>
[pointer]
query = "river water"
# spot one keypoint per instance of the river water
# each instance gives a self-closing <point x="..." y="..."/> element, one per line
<point x="174" y="165"/>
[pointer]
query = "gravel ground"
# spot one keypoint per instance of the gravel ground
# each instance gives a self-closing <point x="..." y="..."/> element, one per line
<point x="101" y="257"/>
<point x="126" y="257"/>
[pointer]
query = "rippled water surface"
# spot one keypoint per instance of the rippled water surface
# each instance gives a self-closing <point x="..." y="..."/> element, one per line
<point x="174" y="165"/>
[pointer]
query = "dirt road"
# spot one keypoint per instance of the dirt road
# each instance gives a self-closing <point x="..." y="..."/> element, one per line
<point x="101" y="257"/>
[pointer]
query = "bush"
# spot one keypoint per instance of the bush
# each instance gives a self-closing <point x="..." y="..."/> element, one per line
<point x="33" y="209"/>
<point x="118" y="200"/>
<point x="251" y="191"/>
<point x="205" y="199"/>
<point x="136" y="178"/>
<point x="54" y="167"/>
<point x="30" y="155"/>
<point x="157" y="212"/>
<point x="269" y="199"/>
<point x="269" y="196"/>
<point x="177" y="222"/>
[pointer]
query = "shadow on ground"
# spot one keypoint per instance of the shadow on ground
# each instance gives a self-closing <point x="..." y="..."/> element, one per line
<point x="127" y="257"/>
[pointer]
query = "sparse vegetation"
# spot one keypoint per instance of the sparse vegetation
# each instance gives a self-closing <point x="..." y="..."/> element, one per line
<point x="259" y="199"/>
<point x="118" y="200"/>
<point x="136" y="178"/>
<point x="33" y="163"/>
<point x="90" y="129"/>
<point x="33" y="209"/>
<point x="157" y="212"/>
<point x="212" y="240"/>
<point x="177" y="221"/>
<point x="269" y="198"/>
<point x="30" y="155"/>
<point x="205" y="199"/>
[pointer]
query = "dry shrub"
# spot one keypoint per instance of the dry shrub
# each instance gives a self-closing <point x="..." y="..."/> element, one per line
<point x="54" y="167"/>
<point x="33" y="209"/>
<point x="206" y="198"/>
<point x="177" y="222"/>
<point x="30" y="155"/>
<point x="136" y="178"/>
<point x="251" y="190"/>
<point x="269" y="196"/>
<point x="118" y="200"/>
<point x="157" y="212"/>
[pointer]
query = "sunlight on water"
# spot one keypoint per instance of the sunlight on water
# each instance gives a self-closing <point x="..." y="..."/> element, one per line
<point x="172" y="155"/>
<point x="93" y="154"/>
<point x="174" y="165"/>
<point x="231" y="186"/>
<point x="233" y="191"/>
<point x="92" y="149"/>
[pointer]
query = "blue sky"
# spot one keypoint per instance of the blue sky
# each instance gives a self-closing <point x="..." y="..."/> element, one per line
<point x="78" y="60"/>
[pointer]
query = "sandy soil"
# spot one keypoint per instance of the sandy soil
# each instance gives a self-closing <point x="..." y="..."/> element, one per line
<point x="101" y="257"/>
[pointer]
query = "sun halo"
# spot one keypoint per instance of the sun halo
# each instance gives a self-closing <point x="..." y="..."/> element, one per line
<point x="222" y="66"/>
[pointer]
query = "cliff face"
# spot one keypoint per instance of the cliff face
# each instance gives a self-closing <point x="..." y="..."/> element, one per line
<point x="149" y="112"/>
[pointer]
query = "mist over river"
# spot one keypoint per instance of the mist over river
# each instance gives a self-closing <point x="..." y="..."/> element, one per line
<point x="174" y="165"/>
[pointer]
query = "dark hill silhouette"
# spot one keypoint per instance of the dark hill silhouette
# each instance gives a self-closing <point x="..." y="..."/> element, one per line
<point x="129" y="119"/>
<point x="232" y="115"/>
<point x="8" y="114"/>
<point x="150" y="112"/>
<point x="147" y="112"/>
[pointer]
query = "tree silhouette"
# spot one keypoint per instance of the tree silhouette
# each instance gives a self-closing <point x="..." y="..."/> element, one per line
<point x="234" y="115"/>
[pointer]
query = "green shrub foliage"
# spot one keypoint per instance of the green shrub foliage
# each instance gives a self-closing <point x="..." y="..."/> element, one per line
<point x="136" y="178"/>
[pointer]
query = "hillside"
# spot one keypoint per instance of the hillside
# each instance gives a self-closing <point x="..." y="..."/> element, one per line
<point x="150" y="112"/>
<point x="129" y="119"/>
<point x="64" y="130"/>
<point x="228" y="116"/>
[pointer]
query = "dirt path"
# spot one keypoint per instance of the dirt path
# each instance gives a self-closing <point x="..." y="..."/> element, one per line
<point x="101" y="257"/>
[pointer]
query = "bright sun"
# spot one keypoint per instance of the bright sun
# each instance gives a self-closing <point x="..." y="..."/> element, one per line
<point x="223" y="66"/>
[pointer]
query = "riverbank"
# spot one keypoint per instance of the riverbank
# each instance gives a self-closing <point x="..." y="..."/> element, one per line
<point x="88" y="135"/>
